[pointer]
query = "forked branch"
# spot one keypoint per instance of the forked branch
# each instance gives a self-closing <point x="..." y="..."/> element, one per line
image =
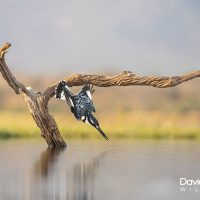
<point x="6" y="73"/>
<point x="38" y="102"/>
<point x="36" y="105"/>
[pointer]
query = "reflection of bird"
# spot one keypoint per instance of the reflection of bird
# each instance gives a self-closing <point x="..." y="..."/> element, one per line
<point x="81" y="104"/>
<point x="84" y="176"/>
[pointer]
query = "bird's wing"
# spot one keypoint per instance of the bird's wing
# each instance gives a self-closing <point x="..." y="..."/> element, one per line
<point x="63" y="92"/>
<point x="69" y="99"/>
<point x="93" y="108"/>
<point x="88" y="90"/>
<point x="59" y="90"/>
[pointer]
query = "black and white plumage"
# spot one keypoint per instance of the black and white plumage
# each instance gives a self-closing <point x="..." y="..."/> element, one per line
<point x="81" y="104"/>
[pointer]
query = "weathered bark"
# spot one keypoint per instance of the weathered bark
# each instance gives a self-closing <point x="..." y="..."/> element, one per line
<point x="125" y="78"/>
<point x="39" y="111"/>
<point x="38" y="102"/>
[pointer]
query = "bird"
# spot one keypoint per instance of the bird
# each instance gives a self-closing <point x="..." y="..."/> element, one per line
<point x="81" y="104"/>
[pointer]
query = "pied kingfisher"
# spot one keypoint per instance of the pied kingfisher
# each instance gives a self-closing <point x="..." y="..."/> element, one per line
<point x="81" y="104"/>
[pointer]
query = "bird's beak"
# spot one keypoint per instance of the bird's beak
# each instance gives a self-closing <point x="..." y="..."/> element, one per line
<point x="102" y="133"/>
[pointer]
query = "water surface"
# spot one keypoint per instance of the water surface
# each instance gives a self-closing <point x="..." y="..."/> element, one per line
<point x="91" y="170"/>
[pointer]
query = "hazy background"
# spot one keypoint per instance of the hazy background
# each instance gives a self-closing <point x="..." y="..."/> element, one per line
<point x="53" y="39"/>
<point x="154" y="133"/>
<point x="69" y="36"/>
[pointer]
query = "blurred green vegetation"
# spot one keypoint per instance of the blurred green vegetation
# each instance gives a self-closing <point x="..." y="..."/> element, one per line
<point x="123" y="112"/>
<point x="143" y="125"/>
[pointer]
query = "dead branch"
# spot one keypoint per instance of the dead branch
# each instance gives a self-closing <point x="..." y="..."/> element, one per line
<point x="36" y="105"/>
<point x="125" y="78"/>
<point x="6" y="73"/>
<point x="37" y="102"/>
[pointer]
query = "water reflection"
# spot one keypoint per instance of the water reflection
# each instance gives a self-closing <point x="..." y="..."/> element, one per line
<point x="140" y="170"/>
<point x="54" y="178"/>
<point x="44" y="167"/>
<point x="83" y="178"/>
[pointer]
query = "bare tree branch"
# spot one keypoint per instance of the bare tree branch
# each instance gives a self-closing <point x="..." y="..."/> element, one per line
<point x="125" y="78"/>
<point x="6" y="73"/>
<point x="37" y="102"/>
<point x="36" y="105"/>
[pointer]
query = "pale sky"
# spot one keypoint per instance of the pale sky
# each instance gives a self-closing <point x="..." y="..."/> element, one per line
<point x="92" y="36"/>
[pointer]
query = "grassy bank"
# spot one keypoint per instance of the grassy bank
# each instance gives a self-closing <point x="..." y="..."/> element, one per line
<point x="138" y="125"/>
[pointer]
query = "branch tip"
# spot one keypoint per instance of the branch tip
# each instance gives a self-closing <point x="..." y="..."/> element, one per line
<point x="4" y="49"/>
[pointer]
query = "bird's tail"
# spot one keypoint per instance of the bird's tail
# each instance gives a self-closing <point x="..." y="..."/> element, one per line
<point x="91" y="88"/>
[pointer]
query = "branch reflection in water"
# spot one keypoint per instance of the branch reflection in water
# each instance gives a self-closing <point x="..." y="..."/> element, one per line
<point x="56" y="177"/>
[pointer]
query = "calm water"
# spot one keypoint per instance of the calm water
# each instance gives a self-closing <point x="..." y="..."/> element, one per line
<point x="88" y="170"/>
